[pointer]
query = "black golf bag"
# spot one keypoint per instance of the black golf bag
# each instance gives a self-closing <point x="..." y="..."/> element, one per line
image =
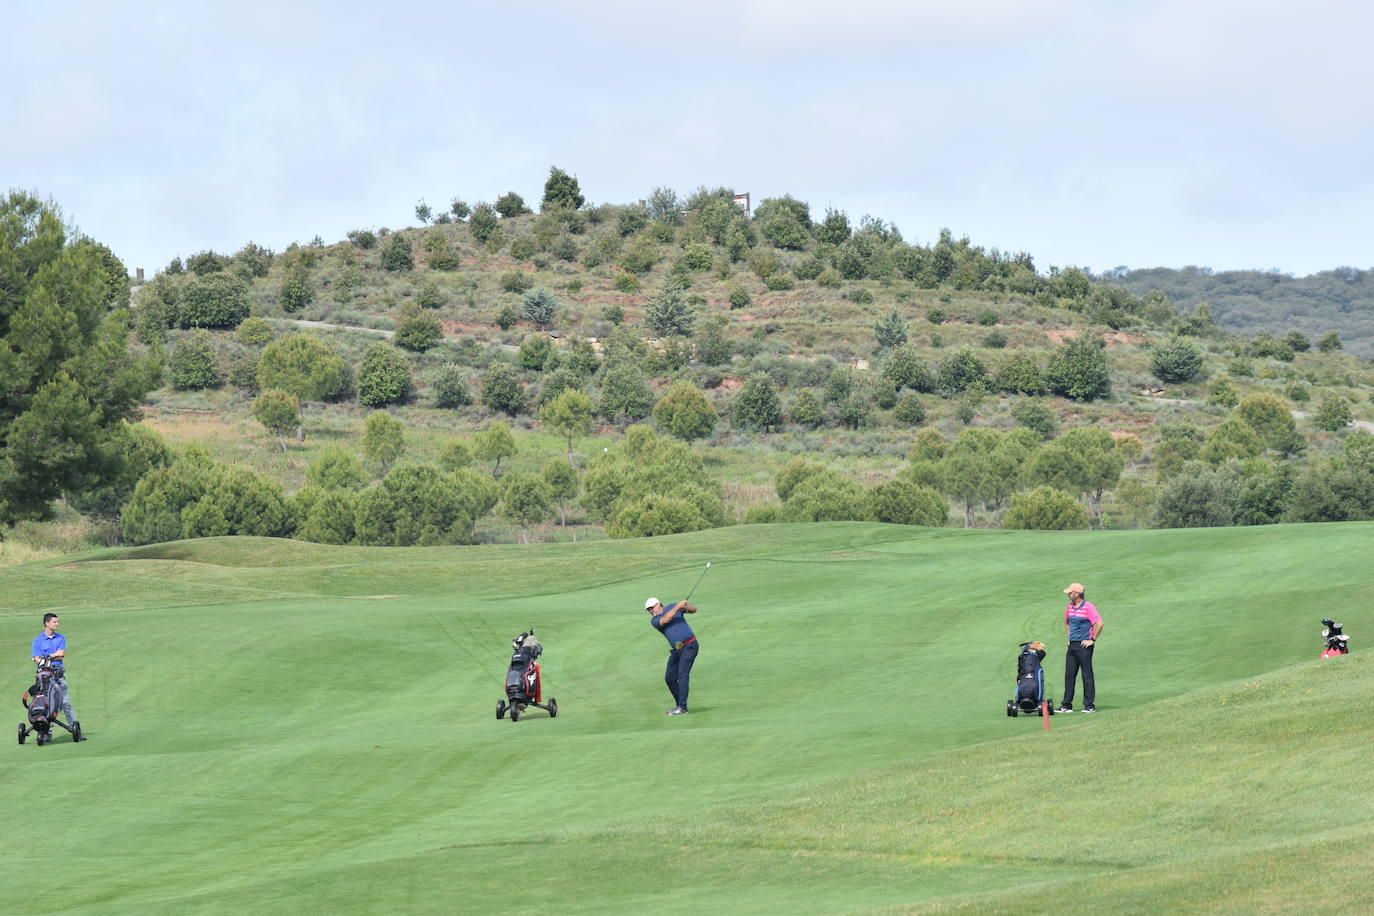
<point x="1337" y="643"/>
<point x="524" y="687"/>
<point x="43" y="700"/>
<point x="1030" y="682"/>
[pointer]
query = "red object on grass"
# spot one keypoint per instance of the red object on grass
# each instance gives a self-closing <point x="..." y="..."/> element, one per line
<point x="1045" y="714"/>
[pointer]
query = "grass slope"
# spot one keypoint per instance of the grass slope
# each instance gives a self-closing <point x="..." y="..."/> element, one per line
<point x="279" y="726"/>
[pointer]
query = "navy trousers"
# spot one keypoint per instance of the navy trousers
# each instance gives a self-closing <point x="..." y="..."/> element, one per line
<point x="679" y="673"/>
<point x="1079" y="659"/>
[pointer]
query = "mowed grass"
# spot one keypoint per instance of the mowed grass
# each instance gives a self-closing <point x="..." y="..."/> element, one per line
<point x="284" y="727"/>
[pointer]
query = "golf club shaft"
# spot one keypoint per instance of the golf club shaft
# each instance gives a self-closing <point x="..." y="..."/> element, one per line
<point x="694" y="587"/>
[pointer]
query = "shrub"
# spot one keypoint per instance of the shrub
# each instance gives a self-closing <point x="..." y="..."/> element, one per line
<point x="454" y="455"/>
<point x="779" y="282"/>
<point x="336" y="467"/>
<point x="936" y="316"/>
<point x="326" y="516"/>
<point x="901" y="502"/>
<point x="254" y="332"/>
<point x="538" y="352"/>
<point x="384" y="439"/>
<point x="685" y="413"/>
<point x="670" y="314"/>
<point x="484" y="223"/>
<point x="757" y="406"/>
<point x="1176" y="360"/>
<point x="418" y="331"/>
<point x="397" y="254"/>
<point x="1045" y="509"/>
<point x="807" y="409"/>
<point x="987" y="318"/>
<point x="1224" y="392"/>
<point x="363" y="238"/>
<point x="625" y="394"/>
<point x="539" y="306"/>
<point x="439" y="254"/>
<point x="561" y="190"/>
<point x="1033" y="414"/>
<point x="1020" y="375"/>
<point x="501" y="389"/>
<point x="507" y="316"/>
<point x="909" y="410"/>
<point x="1329" y="342"/>
<point x="906" y="369"/>
<point x="192" y="363"/>
<point x="511" y="204"/>
<point x="516" y="281"/>
<point x="995" y="341"/>
<point x="739" y="297"/>
<point x="303" y="365"/>
<point x="641" y="254"/>
<point x="384" y="376"/>
<point x="296" y="292"/>
<point x="697" y="257"/>
<point x="962" y="370"/>
<point x="214" y="301"/>
<point x="826" y="497"/>
<point x="523" y="248"/>
<point x="890" y="330"/>
<point x="431" y="295"/>
<point x="1332" y="414"/>
<point x="1078" y="370"/>
<point x="861" y="295"/>
<point x="829" y="278"/>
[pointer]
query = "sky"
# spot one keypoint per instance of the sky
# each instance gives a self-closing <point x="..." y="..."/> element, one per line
<point x="1131" y="133"/>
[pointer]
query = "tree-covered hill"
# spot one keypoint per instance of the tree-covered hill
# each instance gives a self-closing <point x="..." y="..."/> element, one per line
<point x="1246" y="301"/>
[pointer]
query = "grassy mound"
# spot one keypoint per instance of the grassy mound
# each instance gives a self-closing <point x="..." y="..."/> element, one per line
<point x="284" y="727"/>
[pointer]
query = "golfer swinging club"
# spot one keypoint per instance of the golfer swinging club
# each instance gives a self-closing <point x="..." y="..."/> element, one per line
<point x="673" y="625"/>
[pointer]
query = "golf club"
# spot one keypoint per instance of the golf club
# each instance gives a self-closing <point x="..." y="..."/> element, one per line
<point x="694" y="587"/>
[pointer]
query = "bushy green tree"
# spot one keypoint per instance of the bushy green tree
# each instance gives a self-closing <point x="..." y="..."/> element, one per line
<point x="1329" y="342"/>
<point x="685" y="413"/>
<point x="296" y="291"/>
<point x="1332" y="414"/>
<point x="1020" y="375"/>
<point x="568" y="415"/>
<point x="193" y="363"/>
<point x="906" y="369"/>
<point x="1078" y="370"/>
<point x="484" y="223"/>
<point x="511" y="204"/>
<point x="384" y="439"/>
<point x="454" y="455"/>
<point x="539" y="306"/>
<point x="384" y="376"/>
<point x="326" y="516"/>
<point x="807" y="409"/>
<point x="625" y="394"/>
<point x="757" y="405"/>
<point x="1033" y="414"/>
<point x="501" y="390"/>
<point x="138" y="450"/>
<point x="195" y="497"/>
<point x="901" y="502"/>
<point x="1199" y="497"/>
<point x="414" y="505"/>
<point x="826" y="497"/>
<point x="305" y="366"/>
<point x="525" y="500"/>
<point x="890" y="331"/>
<point x="640" y="487"/>
<point x="1045" y="509"/>
<point x="417" y="330"/>
<point x="397" y="254"/>
<point x="962" y="370"/>
<point x="562" y="480"/>
<point x="1272" y="419"/>
<point x="216" y="301"/>
<point x="279" y="412"/>
<point x="561" y="190"/>
<point x="69" y="380"/>
<point x="1176" y="360"/>
<point x="794" y="472"/>
<point x="670" y="314"/>
<point x="450" y="387"/>
<point x="254" y="331"/>
<point x="1232" y="439"/>
<point x="493" y="444"/>
<point x="336" y="467"/>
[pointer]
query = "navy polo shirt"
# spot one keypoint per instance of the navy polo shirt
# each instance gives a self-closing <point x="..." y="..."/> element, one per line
<point x="677" y="630"/>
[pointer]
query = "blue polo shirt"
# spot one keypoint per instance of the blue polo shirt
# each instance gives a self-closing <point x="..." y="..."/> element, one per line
<point x="44" y="644"/>
<point x="677" y="630"/>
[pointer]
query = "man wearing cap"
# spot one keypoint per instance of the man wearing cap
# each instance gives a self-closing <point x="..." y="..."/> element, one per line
<point x="1082" y="625"/>
<point x="670" y="622"/>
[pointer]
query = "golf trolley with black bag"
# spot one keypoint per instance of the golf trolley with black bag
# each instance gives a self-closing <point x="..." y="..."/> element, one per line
<point x="44" y="701"/>
<point x="523" y="686"/>
<point x="1337" y="643"/>
<point x="1030" y="683"/>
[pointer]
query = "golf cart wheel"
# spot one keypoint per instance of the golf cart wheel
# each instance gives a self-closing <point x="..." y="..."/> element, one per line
<point x="76" y="732"/>
<point x="23" y="732"/>
<point x="553" y="708"/>
<point x="1049" y="706"/>
<point x="500" y="709"/>
<point x="515" y="712"/>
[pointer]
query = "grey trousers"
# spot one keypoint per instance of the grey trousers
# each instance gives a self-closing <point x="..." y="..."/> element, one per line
<point x="66" y="700"/>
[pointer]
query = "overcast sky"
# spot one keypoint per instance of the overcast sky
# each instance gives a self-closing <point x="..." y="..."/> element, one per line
<point x="1097" y="134"/>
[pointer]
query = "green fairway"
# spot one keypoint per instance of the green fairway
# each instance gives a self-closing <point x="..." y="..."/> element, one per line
<point x="283" y="727"/>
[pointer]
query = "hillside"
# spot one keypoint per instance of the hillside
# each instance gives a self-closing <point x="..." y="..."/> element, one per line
<point x="1246" y="301"/>
<point x="789" y="340"/>
<point x="330" y="742"/>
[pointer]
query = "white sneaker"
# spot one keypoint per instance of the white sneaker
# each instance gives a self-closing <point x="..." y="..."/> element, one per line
<point x="1064" y="709"/>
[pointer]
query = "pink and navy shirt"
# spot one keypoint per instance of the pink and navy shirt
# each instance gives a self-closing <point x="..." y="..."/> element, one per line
<point x="1081" y="620"/>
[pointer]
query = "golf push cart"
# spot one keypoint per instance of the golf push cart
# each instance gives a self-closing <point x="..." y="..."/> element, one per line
<point x="1030" y="682"/>
<point x="523" y="686"/>
<point x="44" y="701"/>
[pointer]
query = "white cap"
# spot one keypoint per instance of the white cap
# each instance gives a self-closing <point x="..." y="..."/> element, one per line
<point x="651" y="603"/>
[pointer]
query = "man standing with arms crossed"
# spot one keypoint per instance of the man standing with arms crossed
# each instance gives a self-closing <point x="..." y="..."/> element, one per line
<point x="674" y="627"/>
<point x="53" y="645"/>
<point x="1082" y="625"/>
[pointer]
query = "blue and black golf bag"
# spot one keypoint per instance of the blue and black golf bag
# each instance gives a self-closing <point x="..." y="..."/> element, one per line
<point x="1030" y="682"/>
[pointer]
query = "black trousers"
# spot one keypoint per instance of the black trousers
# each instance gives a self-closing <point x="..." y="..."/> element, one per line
<point x="1080" y="658"/>
<point x="679" y="673"/>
